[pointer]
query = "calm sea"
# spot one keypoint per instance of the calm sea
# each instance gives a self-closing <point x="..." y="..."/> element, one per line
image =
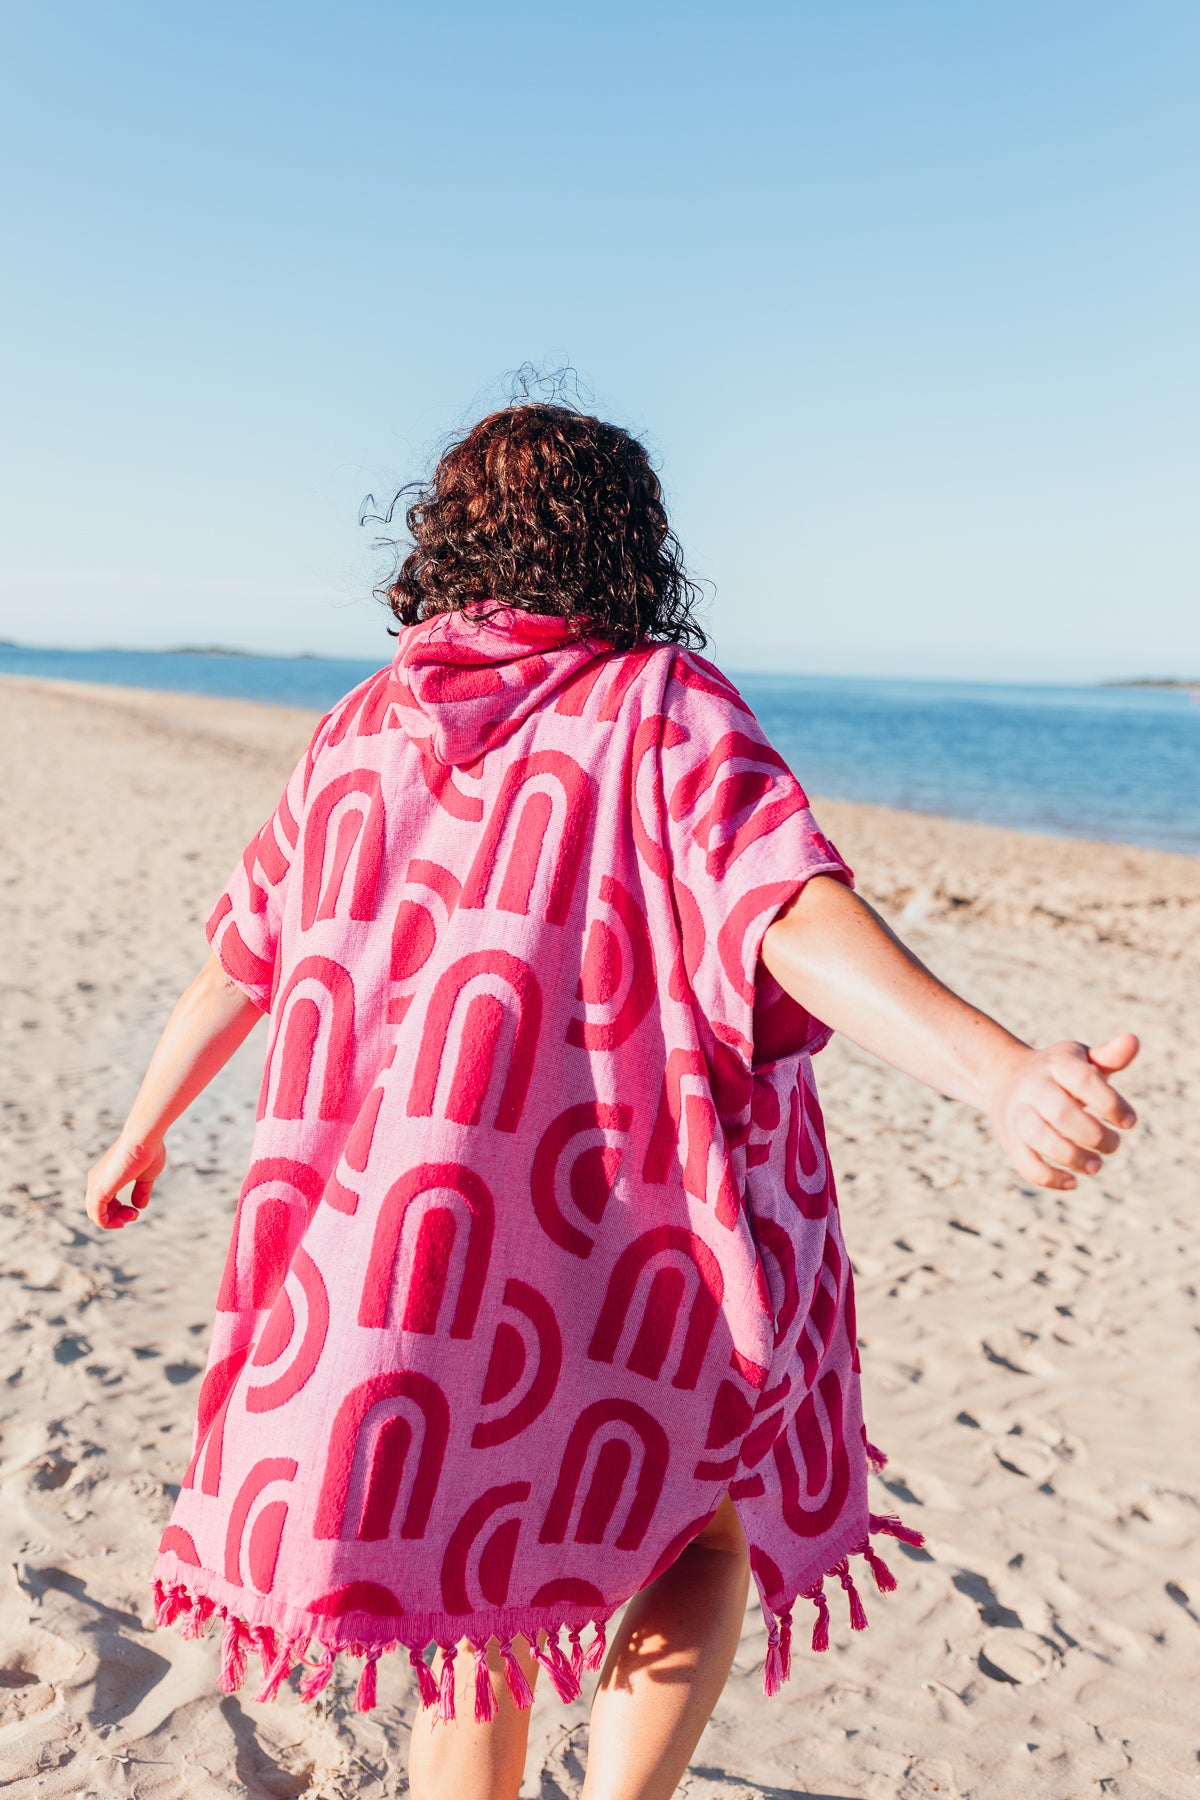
<point x="1121" y="764"/>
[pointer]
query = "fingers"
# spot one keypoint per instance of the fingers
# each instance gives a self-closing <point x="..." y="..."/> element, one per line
<point x="1053" y="1147"/>
<point x="144" y="1185"/>
<point x="1071" y="1120"/>
<point x="106" y="1211"/>
<point x="1029" y="1164"/>
<point x="1084" y="1078"/>
<point x="1118" y="1053"/>
<point x="1069" y="1117"/>
<point x="115" y="1169"/>
<point x="140" y="1197"/>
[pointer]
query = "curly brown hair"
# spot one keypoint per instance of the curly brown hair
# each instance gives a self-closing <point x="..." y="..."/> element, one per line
<point x="547" y="508"/>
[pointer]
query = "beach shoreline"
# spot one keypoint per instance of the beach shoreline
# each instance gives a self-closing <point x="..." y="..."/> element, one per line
<point x="1027" y="1357"/>
<point x="255" y="718"/>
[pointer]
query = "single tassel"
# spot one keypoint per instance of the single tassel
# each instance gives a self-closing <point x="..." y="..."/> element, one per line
<point x="876" y="1458"/>
<point x="557" y="1668"/>
<point x="485" y="1698"/>
<point x="427" y="1687"/>
<point x="364" y="1697"/>
<point x="196" y="1622"/>
<point x="576" y="1653"/>
<point x="773" y="1668"/>
<point x="887" y="1525"/>
<point x="445" y="1703"/>
<point x="885" y="1581"/>
<point x="233" y="1657"/>
<point x="564" y="1664"/>
<point x="858" y="1618"/>
<point x="514" y="1675"/>
<point x="321" y="1676"/>
<point x="168" y="1604"/>
<point x="266" y="1643"/>
<point x="785" y="1641"/>
<point x="593" y="1656"/>
<point x="276" y="1675"/>
<point x="820" y="1636"/>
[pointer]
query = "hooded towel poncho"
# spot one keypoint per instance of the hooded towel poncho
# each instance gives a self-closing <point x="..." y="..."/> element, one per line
<point x="538" y="1254"/>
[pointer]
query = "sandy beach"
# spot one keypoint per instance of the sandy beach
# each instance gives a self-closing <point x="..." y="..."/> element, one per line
<point x="1030" y="1359"/>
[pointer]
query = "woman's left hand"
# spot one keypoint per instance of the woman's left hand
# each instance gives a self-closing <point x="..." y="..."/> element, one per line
<point x="122" y="1163"/>
<point x="212" y="1017"/>
<point x="1056" y="1112"/>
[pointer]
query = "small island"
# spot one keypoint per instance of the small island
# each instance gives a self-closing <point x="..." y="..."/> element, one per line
<point x="1151" y="681"/>
<point x="207" y="650"/>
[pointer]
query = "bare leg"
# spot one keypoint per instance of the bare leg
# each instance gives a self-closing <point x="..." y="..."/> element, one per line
<point x="666" y="1667"/>
<point x="465" y="1761"/>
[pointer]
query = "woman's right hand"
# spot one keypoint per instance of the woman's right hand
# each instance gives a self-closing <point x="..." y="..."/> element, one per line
<point x="1056" y="1112"/>
<point x="122" y="1163"/>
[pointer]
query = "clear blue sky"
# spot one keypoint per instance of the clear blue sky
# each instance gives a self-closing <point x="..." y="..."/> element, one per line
<point x="903" y="295"/>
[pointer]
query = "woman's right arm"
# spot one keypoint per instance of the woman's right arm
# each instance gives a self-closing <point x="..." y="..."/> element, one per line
<point x="1054" y="1110"/>
<point x="211" y="1019"/>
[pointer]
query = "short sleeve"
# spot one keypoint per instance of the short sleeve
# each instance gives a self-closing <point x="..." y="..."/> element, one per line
<point x="742" y="842"/>
<point x="243" y="927"/>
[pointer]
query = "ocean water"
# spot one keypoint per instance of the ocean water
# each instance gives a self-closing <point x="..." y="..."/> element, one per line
<point x="1118" y="764"/>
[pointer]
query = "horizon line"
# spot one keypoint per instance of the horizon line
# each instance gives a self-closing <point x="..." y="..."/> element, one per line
<point x="239" y="653"/>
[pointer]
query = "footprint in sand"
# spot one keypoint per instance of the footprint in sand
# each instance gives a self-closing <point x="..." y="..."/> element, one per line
<point x="23" y="1696"/>
<point x="54" y="1471"/>
<point x="1017" y="1657"/>
<point x="32" y="1667"/>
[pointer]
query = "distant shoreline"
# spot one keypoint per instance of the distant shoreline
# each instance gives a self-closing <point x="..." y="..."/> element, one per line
<point x="249" y="713"/>
<point x="1165" y="683"/>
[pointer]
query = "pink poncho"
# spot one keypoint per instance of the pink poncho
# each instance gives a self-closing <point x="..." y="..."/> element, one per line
<point x="538" y="1254"/>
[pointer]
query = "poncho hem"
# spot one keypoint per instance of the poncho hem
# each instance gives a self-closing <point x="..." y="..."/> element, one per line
<point x="777" y="1613"/>
<point x="283" y="1636"/>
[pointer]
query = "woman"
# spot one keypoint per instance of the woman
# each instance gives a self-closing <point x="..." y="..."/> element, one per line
<point x="537" y="1296"/>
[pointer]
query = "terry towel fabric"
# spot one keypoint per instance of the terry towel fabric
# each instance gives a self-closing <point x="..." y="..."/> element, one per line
<point x="538" y="1254"/>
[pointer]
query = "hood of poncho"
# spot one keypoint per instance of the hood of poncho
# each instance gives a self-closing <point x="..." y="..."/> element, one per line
<point x="470" y="678"/>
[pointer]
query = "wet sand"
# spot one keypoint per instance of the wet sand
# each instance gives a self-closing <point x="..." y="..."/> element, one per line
<point x="1030" y="1359"/>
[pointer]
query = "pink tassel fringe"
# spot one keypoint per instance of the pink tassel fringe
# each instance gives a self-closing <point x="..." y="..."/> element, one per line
<point x="820" y="1636"/>
<point x="858" y="1617"/>
<point x="785" y="1641"/>
<point x="168" y="1603"/>
<point x="593" y="1656"/>
<point x="514" y="1675"/>
<point x="427" y="1687"/>
<point x="175" y="1605"/>
<point x="445" y="1703"/>
<point x="195" y="1623"/>
<point x="888" y="1525"/>
<point x="276" y="1675"/>
<point x="566" y="1685"/>
<point x="773" y="1668"/>
<point x="233" y="1657"/>
<point x="885" y="1581"/>
<point x="364" y="1698"/>
<point x="485" y="1697"/>
<point x="321" y="1676"/>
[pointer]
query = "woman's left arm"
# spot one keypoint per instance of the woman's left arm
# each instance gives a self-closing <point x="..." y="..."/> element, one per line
<point x="211" y="1019"/>
<point x="1054" y="1110"/>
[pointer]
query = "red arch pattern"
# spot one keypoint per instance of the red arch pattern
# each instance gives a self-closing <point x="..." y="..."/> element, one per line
<point x="475" y="1069"/>
<point x="384" y="1462"/>
<point x="428" y="1274"/>
<point x="518" y="1026"/>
